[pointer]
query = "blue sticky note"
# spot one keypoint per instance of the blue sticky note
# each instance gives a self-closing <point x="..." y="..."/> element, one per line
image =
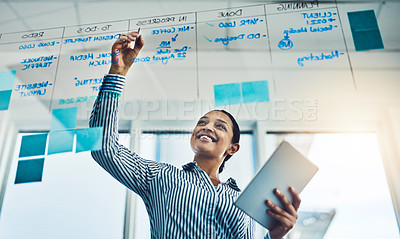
<point x="29" y="171"/>
<point x="255" y="91"/>
<point x="33" y="145"/>
<point x="60" y="141"/>
<point x="64" y="118"/>
<point x="367" y="40"/>
<point x="362" y="20"/>
<point x="7" y="80"/>
<point x="365" y="30"/>
<point x="5" y="97"/>
<point x="89" y="139"/>
<point x="227" y="94"/>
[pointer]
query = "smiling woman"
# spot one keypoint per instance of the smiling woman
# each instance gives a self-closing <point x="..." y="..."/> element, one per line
<point x="181" y="203"/>
<point x="173" y="147"/>
<point x="223" y="125"/>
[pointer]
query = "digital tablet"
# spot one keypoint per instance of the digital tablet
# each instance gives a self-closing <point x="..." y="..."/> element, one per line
<point x="286" y="167"/>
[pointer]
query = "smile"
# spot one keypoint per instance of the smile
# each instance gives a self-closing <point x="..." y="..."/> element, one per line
<point x="207" y="138"/>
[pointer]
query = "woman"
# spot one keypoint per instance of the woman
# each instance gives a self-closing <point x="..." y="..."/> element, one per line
<point x="182" y="203"/>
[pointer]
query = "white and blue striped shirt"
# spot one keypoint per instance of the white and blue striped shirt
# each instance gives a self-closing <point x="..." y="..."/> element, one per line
<point x="181" y="203"/>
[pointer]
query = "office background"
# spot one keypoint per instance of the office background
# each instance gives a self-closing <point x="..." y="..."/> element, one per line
<point x="322" y="87"/>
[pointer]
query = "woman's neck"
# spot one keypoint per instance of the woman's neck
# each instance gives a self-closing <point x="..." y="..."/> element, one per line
<point x="210" y="166"/>
<point x="215" y="181"/>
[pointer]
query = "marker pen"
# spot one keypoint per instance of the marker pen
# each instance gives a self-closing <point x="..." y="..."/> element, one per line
<point x="133" y="46"/>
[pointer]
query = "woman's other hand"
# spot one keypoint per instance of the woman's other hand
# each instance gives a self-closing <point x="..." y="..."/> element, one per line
<point x="286" y="217"/>
<point x="123" y="55"/>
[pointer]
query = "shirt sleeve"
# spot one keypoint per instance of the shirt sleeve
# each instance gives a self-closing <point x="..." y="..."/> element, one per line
<point x="127" y="167"/>
<point x="250" y="230"/>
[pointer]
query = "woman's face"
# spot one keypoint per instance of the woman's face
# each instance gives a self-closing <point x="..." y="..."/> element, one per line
<point x="212" y="135"/>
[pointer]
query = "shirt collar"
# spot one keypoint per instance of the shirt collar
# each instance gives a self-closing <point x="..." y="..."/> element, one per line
<point x="230" y="182"/>
<point x="190" y="166"/>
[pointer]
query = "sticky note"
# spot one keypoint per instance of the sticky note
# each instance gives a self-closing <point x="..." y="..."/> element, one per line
<point x="89" y="139"/>
<point x="60" y="141"/>
<point x="362" y="20"/>
<point x="227" y="94"/>
<point x="365" y="30"/>
<point x="64" y="118"/>
<point x="5" y="97"/>
<point x="7" y="80"/>
<point x="255" y="91"/>
<point x="33" y="145"/>
<point x="29" y="171"/>
<point x="244" y="92"/>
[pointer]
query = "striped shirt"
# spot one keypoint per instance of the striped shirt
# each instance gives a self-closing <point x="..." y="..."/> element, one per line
<point x="181" y="203"/>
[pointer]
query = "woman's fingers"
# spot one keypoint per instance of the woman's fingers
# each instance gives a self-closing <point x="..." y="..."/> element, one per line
<point x="276" y="209"/>
<point x="287" y="223"/>
<point x="131" y="38"/>
<point x="287" y="220"/>
<point x="122" y="53"/>
<point x="295" y="198"/>
<point x="140" y="43"/>
<point x="287" y="215"/>
<point x="127" y="38"/>
<point x="289" y="207"/>
<point x="122" y="39"/>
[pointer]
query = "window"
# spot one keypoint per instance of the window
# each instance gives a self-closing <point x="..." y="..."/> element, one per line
<point x="75" y="198"/>
<point x="349" y="196"/>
